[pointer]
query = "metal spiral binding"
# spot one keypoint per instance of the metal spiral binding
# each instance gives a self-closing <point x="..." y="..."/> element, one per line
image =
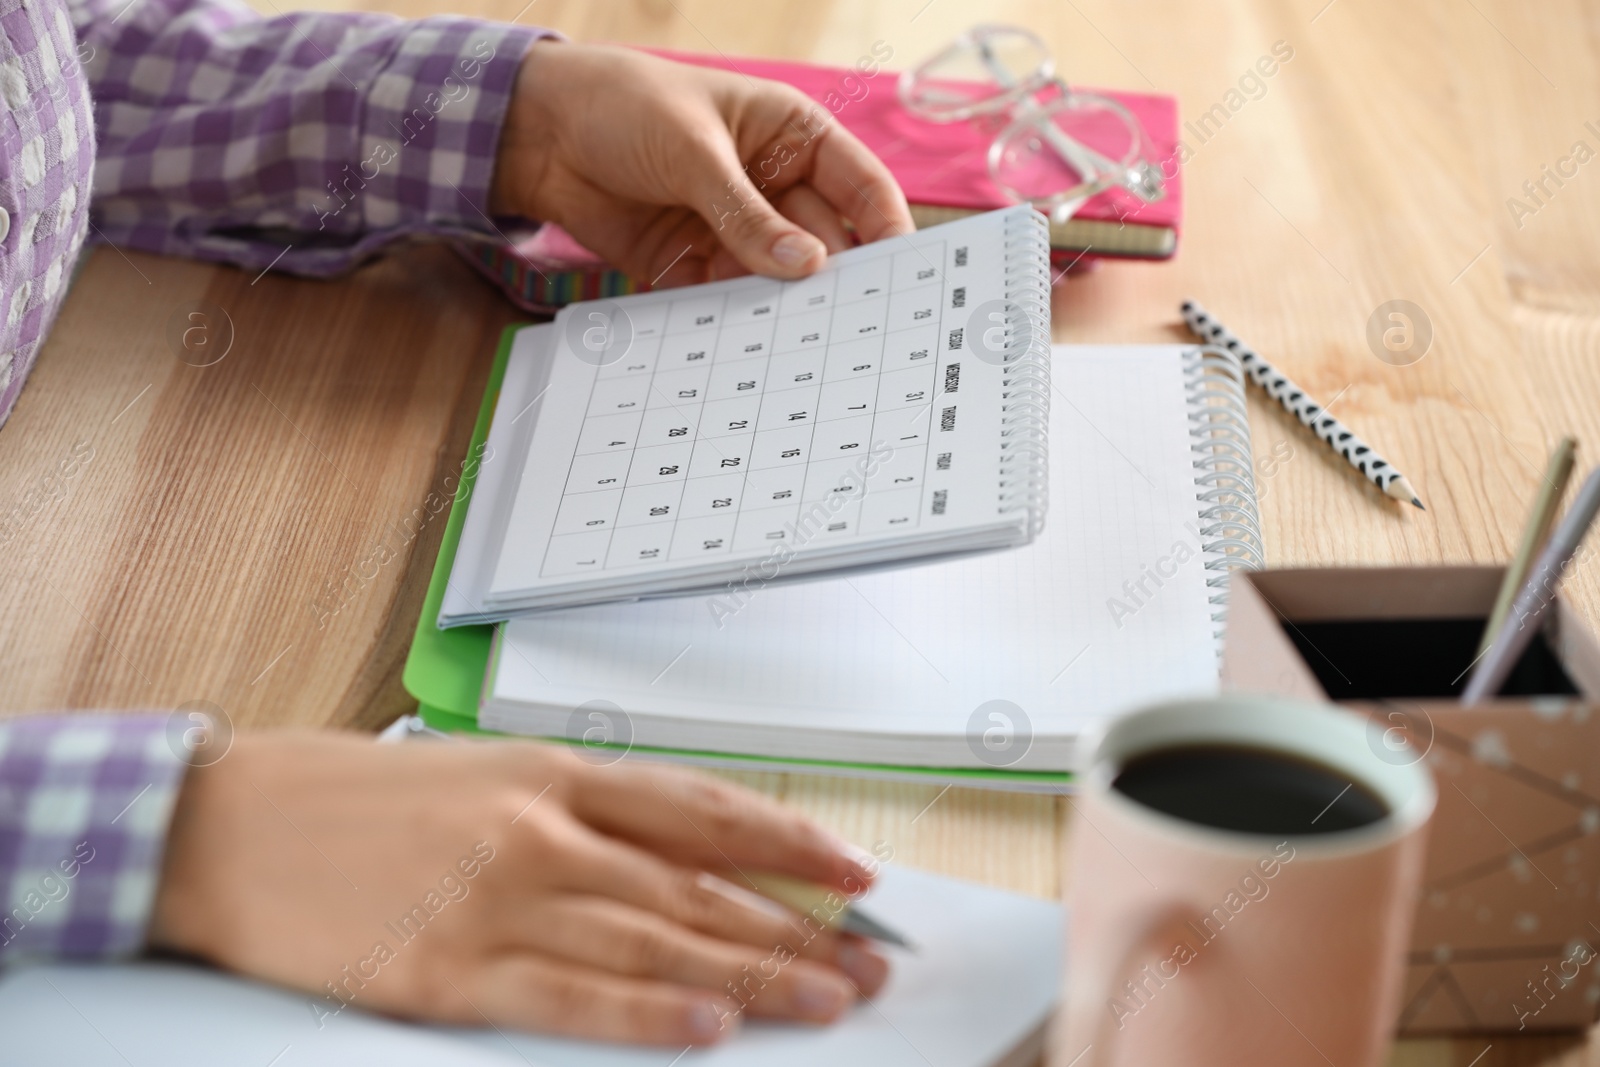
<point x="1230" y="526"/>
<point x="1025" y="406"/>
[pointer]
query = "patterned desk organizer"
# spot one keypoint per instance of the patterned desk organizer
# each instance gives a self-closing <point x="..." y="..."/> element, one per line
<point x="1507" y="933"/>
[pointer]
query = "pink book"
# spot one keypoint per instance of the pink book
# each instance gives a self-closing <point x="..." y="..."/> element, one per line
<point x="941" y="167"/>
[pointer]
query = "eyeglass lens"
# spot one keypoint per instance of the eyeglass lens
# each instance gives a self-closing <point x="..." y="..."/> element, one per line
<point x="1029" y="161"/>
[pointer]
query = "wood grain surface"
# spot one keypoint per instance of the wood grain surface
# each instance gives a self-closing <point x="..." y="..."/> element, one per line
<point x="257" y="533"/>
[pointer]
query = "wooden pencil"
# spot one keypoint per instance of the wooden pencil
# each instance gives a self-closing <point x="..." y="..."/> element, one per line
<point x="1534" y="534"/>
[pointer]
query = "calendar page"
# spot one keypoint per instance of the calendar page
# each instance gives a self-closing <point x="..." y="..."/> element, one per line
<point x="699" y="429"/>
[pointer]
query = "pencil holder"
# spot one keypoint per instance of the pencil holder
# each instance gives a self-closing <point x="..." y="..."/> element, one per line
<point x="1507" y="931"/>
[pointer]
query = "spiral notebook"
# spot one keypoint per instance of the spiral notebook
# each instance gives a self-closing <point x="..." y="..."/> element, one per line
<point x="984" y="669"/>
<point x="891" y="407"/>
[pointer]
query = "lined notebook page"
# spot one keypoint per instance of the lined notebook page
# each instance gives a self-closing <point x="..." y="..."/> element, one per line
<point x="1069" y="628"/>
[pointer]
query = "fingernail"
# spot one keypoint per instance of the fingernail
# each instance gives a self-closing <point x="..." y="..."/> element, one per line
<point x="850" y="850"/>
<point x="865" y="864"/>
<point x="819" y="996"/>
<point x="708" y="1021"/>
<point x="792" y="249"/>
<point x="866" y="969"/>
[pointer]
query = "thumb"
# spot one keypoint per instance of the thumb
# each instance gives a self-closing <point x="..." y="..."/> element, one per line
<point x="750" y="228"/>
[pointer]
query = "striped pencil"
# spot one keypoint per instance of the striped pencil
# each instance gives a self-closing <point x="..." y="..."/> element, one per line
<point x="1295" y="400"/>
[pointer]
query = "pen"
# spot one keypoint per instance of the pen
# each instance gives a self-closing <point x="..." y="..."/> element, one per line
<point x="411" y="728"/>
<point x="813" y="900"/>
<point x="1534" y="535"/>
<point x="1299" y="403"/>
<point x="1537" y="593"/>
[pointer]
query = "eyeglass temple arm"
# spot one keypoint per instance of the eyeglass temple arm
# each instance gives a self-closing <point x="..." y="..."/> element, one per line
<point x="1086" y="159"/>
<point x="1075" y="154"/>
<point x="1080" y="157"/>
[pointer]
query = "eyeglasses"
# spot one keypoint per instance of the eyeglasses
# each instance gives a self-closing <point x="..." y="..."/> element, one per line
<point x="1060" y="147"/>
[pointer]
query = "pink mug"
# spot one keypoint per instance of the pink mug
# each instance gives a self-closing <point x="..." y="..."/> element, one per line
<point x="1197" y="945"/>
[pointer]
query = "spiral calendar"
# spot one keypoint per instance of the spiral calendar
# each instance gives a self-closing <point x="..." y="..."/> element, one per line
<point x="891" y="407"/>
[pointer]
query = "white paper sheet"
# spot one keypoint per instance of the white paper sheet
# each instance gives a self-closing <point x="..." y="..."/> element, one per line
<point x="986" y="974"/>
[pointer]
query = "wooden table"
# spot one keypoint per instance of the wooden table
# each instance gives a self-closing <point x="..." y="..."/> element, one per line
<point x="257" y="533"/>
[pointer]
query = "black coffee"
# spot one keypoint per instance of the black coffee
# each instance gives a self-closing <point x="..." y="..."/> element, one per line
<point x="1250" y="790"/>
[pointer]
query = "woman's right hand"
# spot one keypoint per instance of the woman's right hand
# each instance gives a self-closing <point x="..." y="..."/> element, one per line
<point x="505" y="883"/>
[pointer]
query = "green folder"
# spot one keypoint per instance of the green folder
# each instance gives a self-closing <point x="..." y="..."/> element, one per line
<point x="445" y="669"/>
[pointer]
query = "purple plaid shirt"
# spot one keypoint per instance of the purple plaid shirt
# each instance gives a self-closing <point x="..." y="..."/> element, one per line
<point x="84" y="805"/>
<point x="305" y="143"/>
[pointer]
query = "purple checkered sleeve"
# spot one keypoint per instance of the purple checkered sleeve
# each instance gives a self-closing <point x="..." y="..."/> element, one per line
<point x="85" y="801"/>
<point x="304" y="141"/>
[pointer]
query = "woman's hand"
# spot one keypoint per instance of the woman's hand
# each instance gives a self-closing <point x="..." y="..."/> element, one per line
<point x="511" y="883"/>
<point x="644" y="160"/>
